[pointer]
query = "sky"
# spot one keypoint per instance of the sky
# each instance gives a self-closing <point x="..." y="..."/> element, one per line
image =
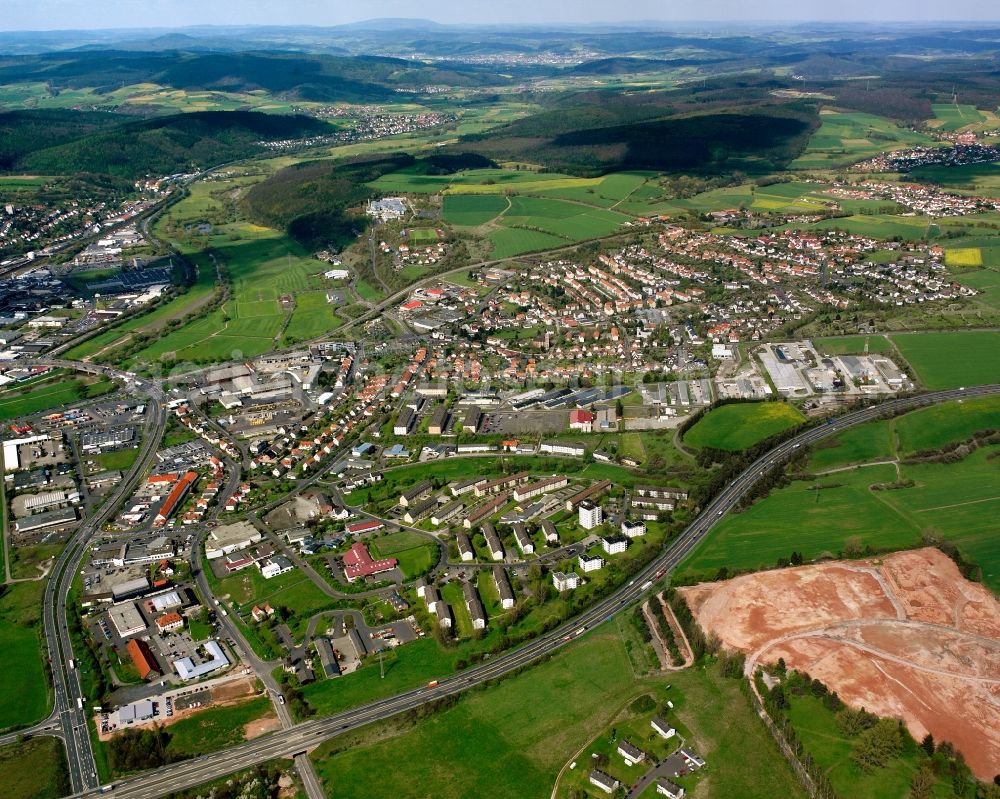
<point x="91" y="14"/>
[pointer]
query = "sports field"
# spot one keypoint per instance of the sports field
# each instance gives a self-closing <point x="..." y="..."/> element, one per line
<point x="511" y="740"/>
<point x="741" y="425"/>
<point x="952" y="359"/>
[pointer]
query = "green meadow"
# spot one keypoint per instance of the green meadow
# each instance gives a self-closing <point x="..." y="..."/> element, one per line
<point x="741" y="425"/>
<point x="952" y="359"/>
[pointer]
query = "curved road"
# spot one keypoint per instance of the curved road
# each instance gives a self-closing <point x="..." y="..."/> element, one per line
<point x="305" y="736"/>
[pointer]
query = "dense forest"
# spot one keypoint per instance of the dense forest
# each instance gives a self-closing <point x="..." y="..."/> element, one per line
<point x="759" y="139"/>
<point x="69" y="142"/>
<point x="293" y="75"/>
<point x="320" y="202"/>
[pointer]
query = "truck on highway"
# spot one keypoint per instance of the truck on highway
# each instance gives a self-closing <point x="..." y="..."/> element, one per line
<point x="79" y="703"/>
<point x="72" y="663"/>
<point x="433" y="684"/>
<point x="106" y="788"/>
<point x="646" y="585"/>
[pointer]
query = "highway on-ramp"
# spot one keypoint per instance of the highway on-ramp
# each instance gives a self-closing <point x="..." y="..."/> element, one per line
<point x="307" y="735"/>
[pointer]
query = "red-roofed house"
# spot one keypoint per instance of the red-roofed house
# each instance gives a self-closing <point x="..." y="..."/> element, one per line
<point x="364" y="527"/>
<point x="358" y="562"/>
<point x="581" y="420"/>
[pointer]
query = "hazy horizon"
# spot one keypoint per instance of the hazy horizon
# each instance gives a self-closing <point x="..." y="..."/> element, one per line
<point x="69" y="15"/>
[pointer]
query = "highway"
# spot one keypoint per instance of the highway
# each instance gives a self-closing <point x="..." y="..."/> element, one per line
<point x="302" y="737"/>
<point x="69" y="708"/>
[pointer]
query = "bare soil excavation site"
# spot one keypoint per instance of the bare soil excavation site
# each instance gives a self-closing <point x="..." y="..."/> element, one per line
<point x="904" y="636"/>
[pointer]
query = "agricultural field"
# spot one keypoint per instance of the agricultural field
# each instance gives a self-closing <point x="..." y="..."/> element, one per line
<point x="941" y="424"/>
<point x="846" y="137"/>
<point x="852" y="345"/>
<point x="512" y="739"/>
<point x="34" y="769"/>
<point x="963" y="257"/>
<point x="509" y="242"/>
<point x="274" y="284"/>
<point x="472" y="210"/>
<point x="952" y="359"/>
<point x="950" y="117"/>
<point x="957" y="501"/>
<point x="21" y="655"/>
<point x="741" y="425"/>
<point x="871" y="441"/>
<point x="986" y="282"/>
<point x="981" y="178"/>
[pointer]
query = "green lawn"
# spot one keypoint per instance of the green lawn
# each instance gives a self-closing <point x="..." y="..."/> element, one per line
<point x="21" y="655"/>
<point x="215" y="728"/>
<point x="35" y="769"/>
<point x="512" y="739"/>
<point x="741" y="425"/>
<point x="415" y="553"/>
<point x="14" y="403"/>
<point x="950" y="360"/>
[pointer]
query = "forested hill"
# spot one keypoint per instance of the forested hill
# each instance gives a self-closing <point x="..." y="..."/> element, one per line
<point x="69" y="142"/>
<point x="321" y="78"/>
<point x="592" y="139"/>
